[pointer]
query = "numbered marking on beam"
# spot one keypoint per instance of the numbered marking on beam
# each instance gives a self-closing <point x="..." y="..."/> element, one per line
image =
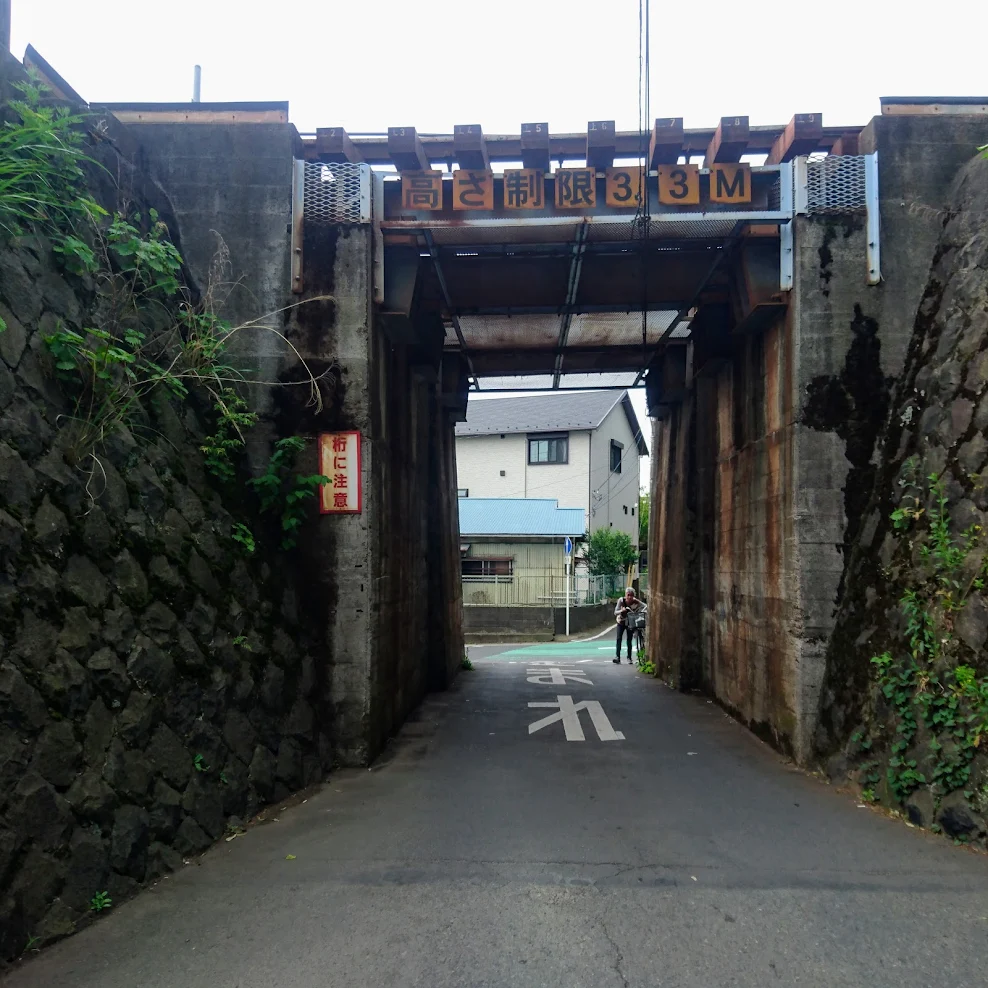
<point x="470" y="147"/>
<point x="422" y="190"/>
<point x="666" y="141"/>
<point x="679" y="185"/>
<point x="600" y="143"/>
<point x="535" y="145"/>
<point x="557" y="676"/>
<point x="730" y="183"/>
<point x="473" y="189"/>
<point x="623" y="188"/>
<point x="568" y="713"/>
<point x="576" y="188"/>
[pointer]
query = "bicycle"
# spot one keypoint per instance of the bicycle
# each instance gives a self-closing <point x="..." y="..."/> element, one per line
<point x="637" y="622"/>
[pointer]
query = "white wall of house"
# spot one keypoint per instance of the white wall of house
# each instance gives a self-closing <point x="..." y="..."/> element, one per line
<point x="614" y="501"/>
<point x="480" y="460"/>
<point x="538" y="574"/>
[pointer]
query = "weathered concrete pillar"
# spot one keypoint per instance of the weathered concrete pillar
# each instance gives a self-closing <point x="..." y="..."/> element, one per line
<point x="385" y="582"/>
<point x="230" y="186"/>
<point x="850" y="341"/>
<point x="4" y="25"/>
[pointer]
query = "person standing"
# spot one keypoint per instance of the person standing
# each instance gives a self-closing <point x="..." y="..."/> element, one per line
<point x="628" y="604"/>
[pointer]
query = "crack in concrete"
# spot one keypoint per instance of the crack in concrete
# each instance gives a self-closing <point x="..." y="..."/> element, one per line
<point x="619" y="954"/>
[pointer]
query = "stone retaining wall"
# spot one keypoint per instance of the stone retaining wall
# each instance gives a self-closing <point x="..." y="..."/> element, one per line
<point x="157" y="684"/>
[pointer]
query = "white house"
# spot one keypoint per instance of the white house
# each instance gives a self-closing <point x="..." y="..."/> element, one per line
<point x="512" y="551"/>
<point x="580" y="448"/>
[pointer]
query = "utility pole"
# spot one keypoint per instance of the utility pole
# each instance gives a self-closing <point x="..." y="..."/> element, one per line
<point x="5" y="24"/>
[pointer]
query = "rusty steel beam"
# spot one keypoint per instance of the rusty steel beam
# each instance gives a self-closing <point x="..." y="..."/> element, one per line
<point x="333" y="145"/>
<point x="601" y="144"/>
<point x="539" y="147"/>
<point x="802" y="135"/>
<point x="666" y="143"/>
<point x="572" y="287"/>
<point x="846" y="144"/>
<point x="470" y="147"/>
<point x="406" y="151"/>
<point x="576" y="309"/>
<point x="541" y="360"/>
<point x="729" y="142"/>
<point x="722" y="254"/>
<point x="535" y="146"/>
<point x="454" y="319"/>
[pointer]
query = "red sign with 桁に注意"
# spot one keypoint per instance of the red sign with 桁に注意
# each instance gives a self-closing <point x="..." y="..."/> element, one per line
<point x="339" y="461"/>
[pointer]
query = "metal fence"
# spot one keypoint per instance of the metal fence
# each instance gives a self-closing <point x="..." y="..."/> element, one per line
<point x="540" y="590"/>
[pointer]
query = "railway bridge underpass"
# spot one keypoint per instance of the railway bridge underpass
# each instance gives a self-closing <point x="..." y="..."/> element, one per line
<point x="761" y="283"/>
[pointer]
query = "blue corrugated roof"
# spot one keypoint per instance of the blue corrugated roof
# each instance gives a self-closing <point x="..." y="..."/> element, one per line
<point x="518" y="516"/>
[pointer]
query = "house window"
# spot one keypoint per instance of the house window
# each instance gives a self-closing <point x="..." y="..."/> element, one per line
<point x="483" y="570"/>
<point x="462" y="491"/>
<point x="617" y="451"/>
<point x="548" y="449"/>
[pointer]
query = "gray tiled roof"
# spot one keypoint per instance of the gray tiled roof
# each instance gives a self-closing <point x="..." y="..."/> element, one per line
<point x="560" y="412"/>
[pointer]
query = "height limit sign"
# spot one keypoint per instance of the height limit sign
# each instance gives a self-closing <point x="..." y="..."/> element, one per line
<point x="339" y="460"/>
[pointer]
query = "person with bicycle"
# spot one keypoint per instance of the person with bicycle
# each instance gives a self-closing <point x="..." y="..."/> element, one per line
<point x="628" y="604"/>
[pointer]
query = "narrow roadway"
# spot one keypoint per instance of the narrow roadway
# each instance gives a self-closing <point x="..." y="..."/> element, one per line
<point x="477" y="853"/>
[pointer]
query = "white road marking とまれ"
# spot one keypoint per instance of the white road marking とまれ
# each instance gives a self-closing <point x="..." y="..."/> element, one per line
<point x="557" y="676"/>
<point x="569" y="713"/>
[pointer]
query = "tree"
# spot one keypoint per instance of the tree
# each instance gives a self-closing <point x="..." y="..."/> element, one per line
<point x="644" y="504"/>
<point x="609" y="552"/>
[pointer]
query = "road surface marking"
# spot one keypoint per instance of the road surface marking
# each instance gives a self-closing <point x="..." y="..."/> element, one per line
<point x="557" y="676"/>
<point x="569" y="713"/>
<point x="593" y="638"/>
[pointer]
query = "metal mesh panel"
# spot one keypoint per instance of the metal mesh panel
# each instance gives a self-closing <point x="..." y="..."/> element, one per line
<point x="774" y="193"/>
<point x="616" y="328"/>
<point x="508" y="332"/>
<point x="337" y="193"/>
<point x="836" y="184"/>
<point x="516" y="382"/>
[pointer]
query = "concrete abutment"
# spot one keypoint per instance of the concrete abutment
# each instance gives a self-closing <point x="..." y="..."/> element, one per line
<point x="382" y="584"/>
<point x="765" y="460"/>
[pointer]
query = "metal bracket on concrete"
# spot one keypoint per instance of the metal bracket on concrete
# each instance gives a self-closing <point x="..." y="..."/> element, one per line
<point x="377" y="211"/>
<point x="800" y="185"/>
<point x="298" y="222"/>
<point x="786" y="244"/>
<point x="873" y="225"/>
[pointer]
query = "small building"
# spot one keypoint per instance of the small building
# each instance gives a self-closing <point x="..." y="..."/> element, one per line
<point x="581" y="448"/>
<point x="512" y="550"/>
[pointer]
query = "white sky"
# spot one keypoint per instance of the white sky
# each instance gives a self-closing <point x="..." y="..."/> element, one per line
<point x="369" y="64"/>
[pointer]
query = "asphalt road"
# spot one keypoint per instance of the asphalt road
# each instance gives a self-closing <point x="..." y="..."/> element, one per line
<point x="479" y="854"/>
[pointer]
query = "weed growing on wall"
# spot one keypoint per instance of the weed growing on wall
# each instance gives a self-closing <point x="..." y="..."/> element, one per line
<point x="145" y="332"/>
<point x="938" y="705"/>
<point x="644" y="665"/>
<point x="285" y="492"/>
<point x="100" y="901"/>
<point x="42" y="160"/>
